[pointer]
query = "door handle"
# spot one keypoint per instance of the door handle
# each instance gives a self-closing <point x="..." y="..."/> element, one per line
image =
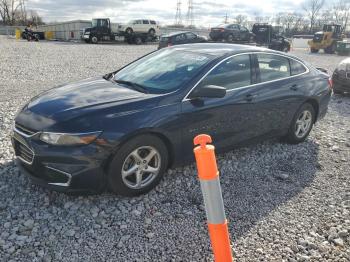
<point x="250" y="97"/>
<point x="294" y="87"/>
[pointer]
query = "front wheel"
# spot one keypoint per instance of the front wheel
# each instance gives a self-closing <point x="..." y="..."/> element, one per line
<point x="94" y="39"/>
<point x="301" y="125"/>
<point x="152" y="32"/>
<point x="138" y="166"/>
<point x="313" y="50"/>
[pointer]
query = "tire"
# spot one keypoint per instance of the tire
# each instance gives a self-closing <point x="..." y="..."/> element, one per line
<point x="152" y="32"/>
<point x="138" y="40"/>
<point x="292" y="136"/>
<point x="229" y="38"/>
<point x="330" y="49"/>
<point x="313" y="50"/>
<point x="125" y="160"/>
<point x="129" y="31"/>
<point x="93" y="39"/>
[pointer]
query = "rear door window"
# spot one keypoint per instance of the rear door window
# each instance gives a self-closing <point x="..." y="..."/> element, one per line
<point x="296" y="67"/>
<point x="180" y="38"/>
<point x="273" y="67"/>
<point x="145" y="22"/>
<point x="232" y="73"/>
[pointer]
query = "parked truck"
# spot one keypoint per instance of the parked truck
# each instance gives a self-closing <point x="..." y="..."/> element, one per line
<point x="103" y="30"/>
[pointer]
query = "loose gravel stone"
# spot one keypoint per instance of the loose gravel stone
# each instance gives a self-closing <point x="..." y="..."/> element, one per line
<point x="283" y="202"/>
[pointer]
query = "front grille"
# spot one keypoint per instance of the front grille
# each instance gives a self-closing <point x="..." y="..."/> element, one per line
<point x="24" y="130"/>
<point x="23" y="152"/>
<point x="318" y="38"/>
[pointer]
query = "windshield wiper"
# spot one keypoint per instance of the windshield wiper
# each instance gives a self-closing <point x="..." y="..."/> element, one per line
<point x="133" y="85"/>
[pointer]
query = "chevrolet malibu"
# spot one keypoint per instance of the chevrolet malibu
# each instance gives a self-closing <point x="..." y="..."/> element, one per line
<point x="124" y="129"/>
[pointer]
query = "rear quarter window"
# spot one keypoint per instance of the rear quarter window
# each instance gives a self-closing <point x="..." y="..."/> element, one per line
<point x="296" y="67"/>
<point x="273" y="67"/>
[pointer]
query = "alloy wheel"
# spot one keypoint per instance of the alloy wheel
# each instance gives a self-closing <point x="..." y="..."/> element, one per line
<point x="141" y="167"/>
<point x="303" y="124"/>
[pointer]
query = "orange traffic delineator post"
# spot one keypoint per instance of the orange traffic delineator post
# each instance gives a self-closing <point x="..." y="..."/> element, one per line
<point x="214" y="206"/>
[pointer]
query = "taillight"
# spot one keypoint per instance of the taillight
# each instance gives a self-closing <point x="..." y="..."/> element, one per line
<point x="169" y="44"/>
<point x="330" y="83"/>
<point x="222" y="29"/>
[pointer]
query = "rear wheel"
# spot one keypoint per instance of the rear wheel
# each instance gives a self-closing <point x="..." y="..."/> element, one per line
<point x="138" y="166"/>
<point x="302" y="124"/>
<point x="314" y="50"/>
<point x="229" y="38"/>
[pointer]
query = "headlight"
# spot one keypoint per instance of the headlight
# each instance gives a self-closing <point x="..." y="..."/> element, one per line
<point x="69" y="139"/>
<point x="341" y="66"/>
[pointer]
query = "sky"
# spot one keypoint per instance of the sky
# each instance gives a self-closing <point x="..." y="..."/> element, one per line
<point x="206" y="12"/>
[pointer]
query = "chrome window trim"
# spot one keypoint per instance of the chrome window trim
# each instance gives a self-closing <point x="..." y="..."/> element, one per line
<point x="67" y="184"/>
<point x="243" y="87"/>
<point x="23" y="134"/>
<point x="23" y="160"/>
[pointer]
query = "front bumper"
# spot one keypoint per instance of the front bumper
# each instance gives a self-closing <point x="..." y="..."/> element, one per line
<point x="64" y="169"/>
<point x="86" y="36"/>
<point x="341" y="82"/>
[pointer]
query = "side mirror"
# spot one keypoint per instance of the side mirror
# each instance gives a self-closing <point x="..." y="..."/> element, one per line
<point x="209" y="91"/>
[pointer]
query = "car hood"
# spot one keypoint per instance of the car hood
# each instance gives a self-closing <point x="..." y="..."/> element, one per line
<point x="80" y="95"/>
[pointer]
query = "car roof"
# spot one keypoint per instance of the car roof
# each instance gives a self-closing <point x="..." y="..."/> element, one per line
<point x="221" y="49"/>
<point x="176" y="33"/>
<point x="346" y="61"/>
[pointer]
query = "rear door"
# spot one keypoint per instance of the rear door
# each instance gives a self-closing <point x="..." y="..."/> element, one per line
<point x="278" y="93"/>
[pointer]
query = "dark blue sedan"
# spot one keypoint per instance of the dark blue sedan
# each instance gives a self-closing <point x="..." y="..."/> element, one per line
<point x="123" y="130"/>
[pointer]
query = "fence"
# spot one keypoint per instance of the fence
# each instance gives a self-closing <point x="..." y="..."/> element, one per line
<point x="10" y="30"/>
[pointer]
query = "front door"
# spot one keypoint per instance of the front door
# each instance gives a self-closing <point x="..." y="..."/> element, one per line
<point x="228" y="120"/>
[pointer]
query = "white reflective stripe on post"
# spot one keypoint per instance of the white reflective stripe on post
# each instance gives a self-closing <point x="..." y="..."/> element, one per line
<point x="214" y="205"/>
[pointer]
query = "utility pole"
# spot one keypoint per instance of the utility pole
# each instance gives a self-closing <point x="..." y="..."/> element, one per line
<point x="190" y="17"/>
<point x="178" y="18"/>
<point x="226" y="19"/>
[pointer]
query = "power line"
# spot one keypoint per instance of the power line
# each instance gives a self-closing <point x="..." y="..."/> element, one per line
<point x="178" y="18"/>
<point x="190" y="17"/>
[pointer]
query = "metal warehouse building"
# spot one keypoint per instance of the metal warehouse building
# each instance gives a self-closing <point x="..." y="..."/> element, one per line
<point x="71" y="30"/>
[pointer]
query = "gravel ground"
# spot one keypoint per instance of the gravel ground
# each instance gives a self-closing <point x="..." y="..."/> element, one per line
<point x="283" y="202"/>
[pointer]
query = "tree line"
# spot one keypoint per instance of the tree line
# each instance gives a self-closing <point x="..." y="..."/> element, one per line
<point x="311" y="18"/>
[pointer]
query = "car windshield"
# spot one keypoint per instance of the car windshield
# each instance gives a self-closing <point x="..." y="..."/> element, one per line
<point x="163" y="71"/>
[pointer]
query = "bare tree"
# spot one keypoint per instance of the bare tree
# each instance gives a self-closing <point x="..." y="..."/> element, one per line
<point x="12" y="11"/>
<point x="312" y="9"/>
<point x="241" y="19"/>
<point x="325" y="17"/>
<point x="341" y="12"/>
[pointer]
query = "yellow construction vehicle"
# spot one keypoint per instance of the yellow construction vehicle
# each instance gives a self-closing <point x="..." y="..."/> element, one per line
<point x="326" y="39"/>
